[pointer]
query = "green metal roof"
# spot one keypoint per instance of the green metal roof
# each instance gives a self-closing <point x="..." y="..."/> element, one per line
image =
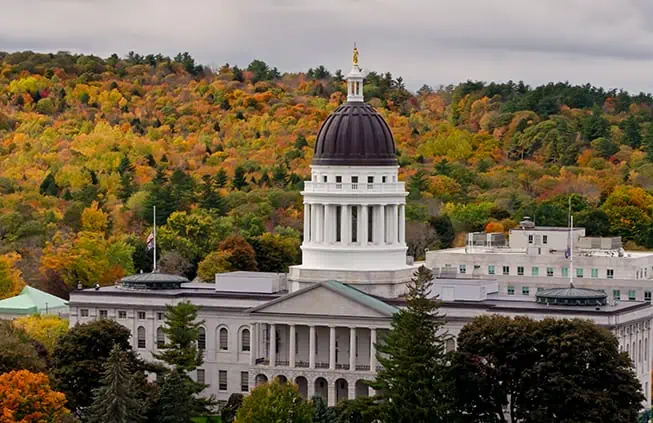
<point x="361" y="297"/>
<point x="30" y="301"/>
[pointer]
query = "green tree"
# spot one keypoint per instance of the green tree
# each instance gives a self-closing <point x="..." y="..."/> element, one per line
<point x="359" y="410"/>
<point x="274" y="252"/>
<point x="210" y="196"/>
<point x="417" y="184"/>
<point x="647" y="141"/>
<point x="605" y="147"/>
<point x="595" y="221"/>
<point x="221" y="178"/>
<point x="228" y="412"/>
<point x="550" y="370"/>
<point x="632" y="132"/>
<point x="412" y="385"/>
<point x="275" y="402"/>
<point x="49" y="186"/>
<point x="179" y="393"/>
<point x="160" y="196"/>
<point x="444" y="229"/>
<point x="116" y="400"/>
<point x="239" y="181"/>
<point x="79" y="357"/>
<point x="321" y="412"/>
<point x="595" y="125"/>
<point x="215" y="262"/>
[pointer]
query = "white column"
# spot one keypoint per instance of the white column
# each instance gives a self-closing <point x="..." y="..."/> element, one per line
<point x="320" y="223"/>
<point x="362" y="225"/>
<point x="332" y="348"/>
<point x="373" y="350"/>
<point x="314" y="209"/>
<point x="292" y="349"/>
<point x="402" y="224"/>
<point x="379" y="224"/>
<point x="329" y="224"/>
<point x="331" y="389"/>
<point x="311" y="348"/>
<point x="345" y="221"/>
<point x="393" y="229"/>
<point x="307" y="223"/>
<point x="352" y="349"/>
<point x="273" y="344"/>
<point x="252" y="344"/>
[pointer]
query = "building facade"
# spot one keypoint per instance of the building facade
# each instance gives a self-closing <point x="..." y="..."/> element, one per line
<point x="318" y="326"/>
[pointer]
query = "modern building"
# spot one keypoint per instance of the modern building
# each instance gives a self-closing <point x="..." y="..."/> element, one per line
<point x="535" y="258"/>
<point x="32" y="301"/>
<point x="318" y="325"/>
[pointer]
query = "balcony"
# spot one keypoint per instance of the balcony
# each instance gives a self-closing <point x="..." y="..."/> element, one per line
<point x="353" y="187"/>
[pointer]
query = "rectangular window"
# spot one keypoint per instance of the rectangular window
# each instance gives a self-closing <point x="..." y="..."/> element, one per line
<point x="610" y="273"/>
<point x="549" y="271"/>
<point x="565" y="272"/>
<point x="525" y="290"/>
<point x="141" y="315"/>
<point x="511" y="290"/>
<point x="338" y="179"/>
<point x="354" y="180"/>
<point x="462" y="269"/>
<point x="201" y="376"/>
<point x="370" y="179"/>
<point x="520" y="270"/>
<point x="83" y="312"/>
<point x="632" y="295"/>
<point x="338" y="223"/>
<point x="530" y="239"/>
<point x="647" y="295"/>
<point x="506" y="270"/>
<point x="222" y="380"/>
<point x="244" y="381"/>
<point x="579" y="272"/>
<point x="595" y="273"/>
<point x="616" y="294"/>
<point x="545" y="239"/>
<point x="122" y="314"/>
<point x="383" y="179"/>
<point x="535" y="271"/>
<point x="490" y="270"/>
<point x="103" y="314"/>
<point x="324" y="179"/>
<point x="160" y="316"/>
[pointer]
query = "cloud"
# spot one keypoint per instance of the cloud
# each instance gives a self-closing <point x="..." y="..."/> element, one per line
<point x="603" y="42"/>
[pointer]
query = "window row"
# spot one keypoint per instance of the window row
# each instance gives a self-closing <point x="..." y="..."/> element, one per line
<point x="535" y="271"/>
<point x="223" y="339"/>
<point x="354" y="179"/>
<point x="222" y="380"/>
<point x="616" y="293"/>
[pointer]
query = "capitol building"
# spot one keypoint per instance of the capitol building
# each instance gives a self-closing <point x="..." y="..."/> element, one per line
<point x="318" y="325"/>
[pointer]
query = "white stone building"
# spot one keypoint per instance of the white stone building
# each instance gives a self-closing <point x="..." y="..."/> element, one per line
<point x="538" y="258"/>
<point x="318" y="325"/>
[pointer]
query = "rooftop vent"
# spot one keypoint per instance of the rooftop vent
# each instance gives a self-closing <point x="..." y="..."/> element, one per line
<point x="527" y="223"/>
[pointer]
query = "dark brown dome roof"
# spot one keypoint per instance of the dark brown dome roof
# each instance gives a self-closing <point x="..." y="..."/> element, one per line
<point x="355" y="135"/>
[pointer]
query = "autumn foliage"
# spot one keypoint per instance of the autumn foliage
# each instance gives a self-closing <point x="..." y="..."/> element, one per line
<point x="26" y="397"/>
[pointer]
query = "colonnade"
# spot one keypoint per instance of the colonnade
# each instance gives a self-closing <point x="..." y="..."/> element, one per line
<point x="362" y="224"/>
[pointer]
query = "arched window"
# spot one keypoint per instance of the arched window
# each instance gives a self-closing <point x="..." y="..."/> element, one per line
<point x="160" y="338"/>
<point x="140" y="335"/>
<point x="245" y="340"/>
<point x="201" y="340"/>
<point x="450" y="345"/>
<point x="224" y="339"/>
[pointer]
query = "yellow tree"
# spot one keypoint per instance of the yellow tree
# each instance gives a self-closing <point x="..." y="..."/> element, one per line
<point x="11" y="282"/>
<point x="45" y="329"/>
<point x="26" y="397"/>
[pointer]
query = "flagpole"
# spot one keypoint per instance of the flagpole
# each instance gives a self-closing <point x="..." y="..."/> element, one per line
<point x="154" y="234"/>
<point x="571" y="251"/>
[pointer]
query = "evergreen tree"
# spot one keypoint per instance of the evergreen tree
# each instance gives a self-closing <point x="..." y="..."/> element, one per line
<point x="321" y="412"/>
<point x="647" y="141"/>
<point x="595" y="125"/>
<point x="413" y="385"/>
<point x="228" y="412"/>
<point x="161" y="197"/>
<point x="417" y="184"/>
<point x="182" y="189"/>
<point x="116" y="400"/>
<point x="221" y="178"/>
<point x="49" y="186"/>
<point x="632" y="132"/>
<point x="239" y="181"/>
<point x="179" y="393"/>
<point x="211" y="198"/>
<point x="126" y="188"/>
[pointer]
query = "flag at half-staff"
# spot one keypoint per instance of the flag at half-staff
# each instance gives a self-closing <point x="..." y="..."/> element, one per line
<point x="149" y="242"/>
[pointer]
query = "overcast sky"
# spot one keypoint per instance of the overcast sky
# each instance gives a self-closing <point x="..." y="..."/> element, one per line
<point x="604" y="42"/>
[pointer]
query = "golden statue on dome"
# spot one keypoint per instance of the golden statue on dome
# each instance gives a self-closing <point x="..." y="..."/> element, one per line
<point x="355" y="57"/>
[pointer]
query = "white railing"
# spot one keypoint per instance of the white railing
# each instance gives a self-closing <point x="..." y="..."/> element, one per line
<point x="353" y="187"/>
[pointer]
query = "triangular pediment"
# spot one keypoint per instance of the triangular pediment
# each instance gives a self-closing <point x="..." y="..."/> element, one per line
<point x="322" y="300"/>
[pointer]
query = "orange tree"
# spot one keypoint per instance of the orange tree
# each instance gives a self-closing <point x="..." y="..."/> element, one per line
<point x="26" y="397"/>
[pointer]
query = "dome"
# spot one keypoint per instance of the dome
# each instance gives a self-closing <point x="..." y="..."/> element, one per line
<point x="572" y="296"/>
<point x="355" y="135"/>
<point x="154" y="280"/>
